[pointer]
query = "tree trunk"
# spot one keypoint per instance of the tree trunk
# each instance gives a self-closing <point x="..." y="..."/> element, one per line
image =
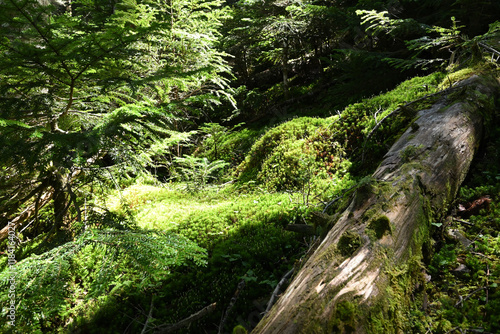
<point x="59" y="198"/>
<point x="361" y="277"/>
<point x="284" y="68"/>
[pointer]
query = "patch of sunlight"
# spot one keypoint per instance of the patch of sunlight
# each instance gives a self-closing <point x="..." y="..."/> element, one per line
<point x="355" y="275"/>
<point x="167" y="214"/>
<point x="166" y="207"/>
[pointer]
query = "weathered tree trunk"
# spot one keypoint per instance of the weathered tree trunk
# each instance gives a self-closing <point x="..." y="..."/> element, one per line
<point x="284" y="68"/>
<point x="361" y="277"/>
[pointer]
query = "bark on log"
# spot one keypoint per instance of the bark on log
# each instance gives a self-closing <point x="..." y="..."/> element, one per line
<point x="361" y="277"/>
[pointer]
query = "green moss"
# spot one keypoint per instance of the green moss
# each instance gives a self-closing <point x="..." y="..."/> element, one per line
<point x="390" y="313"/>
<point x="410" y="152"/>
<point x="282" y="135"/>
<point x="239" y="330"/>
<point x="298" y="156"/>
<point x="380" y="226"/>
<point x="345" y="317"/>
<point x="330" y="254"/>
<point x="348" y="243"/>
<point x="455" y="77"/>
<point x="370" y="213"/>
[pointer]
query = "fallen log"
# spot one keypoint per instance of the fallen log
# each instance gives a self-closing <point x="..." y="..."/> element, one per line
<point x="361" y="277"/>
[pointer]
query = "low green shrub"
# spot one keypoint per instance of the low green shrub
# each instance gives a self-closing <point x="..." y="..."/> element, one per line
<point x="222" y="143"/>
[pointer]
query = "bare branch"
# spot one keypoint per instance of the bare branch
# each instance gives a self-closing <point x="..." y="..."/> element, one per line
<point x="200" y="314"/>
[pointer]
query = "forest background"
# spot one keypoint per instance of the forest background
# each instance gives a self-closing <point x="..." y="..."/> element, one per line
<point x="167" y="165"/>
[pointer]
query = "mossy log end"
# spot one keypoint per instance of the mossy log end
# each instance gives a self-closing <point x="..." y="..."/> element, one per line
<point x="361" y="277"/>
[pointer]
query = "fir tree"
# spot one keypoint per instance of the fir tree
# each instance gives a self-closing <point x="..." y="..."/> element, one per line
<point x="89" y="87"/>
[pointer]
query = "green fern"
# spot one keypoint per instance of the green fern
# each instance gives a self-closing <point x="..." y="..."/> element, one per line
<point x="381" y="23"/>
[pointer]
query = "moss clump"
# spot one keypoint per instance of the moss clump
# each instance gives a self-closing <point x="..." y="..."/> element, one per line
<point x="239" y="330"/>
<point x="283" y="136"/>
<point x="453" y="78"/>
<point x="345" y="318"/>
<point x="380" y="226"/>
<point x="410" y="152"/>
<point x="348" y="243"/>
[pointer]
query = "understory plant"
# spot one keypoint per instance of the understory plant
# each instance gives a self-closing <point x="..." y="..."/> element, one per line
<point x="449" y="46"/>
<point x="197" y="173"/>
<point x="52" y="288"/>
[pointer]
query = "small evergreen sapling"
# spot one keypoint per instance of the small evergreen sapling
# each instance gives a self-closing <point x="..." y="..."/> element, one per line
<point x="96" y="86"/>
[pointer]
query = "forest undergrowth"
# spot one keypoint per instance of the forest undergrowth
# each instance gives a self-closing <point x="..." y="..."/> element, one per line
<point x="222" y="220"/>
<point x="169" y="166"/>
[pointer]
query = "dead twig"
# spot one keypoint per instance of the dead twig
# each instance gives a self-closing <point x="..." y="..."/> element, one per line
<point x="462" y="300"/>
<point x="277" y="290"/>
<point x="462" y="221"/>
<point x="170" y="328"/>
<point x="240" y="287"/>
<point x="144" y="329"/>
<point x="344" y="192"/>
<point x="482" y="255"/>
